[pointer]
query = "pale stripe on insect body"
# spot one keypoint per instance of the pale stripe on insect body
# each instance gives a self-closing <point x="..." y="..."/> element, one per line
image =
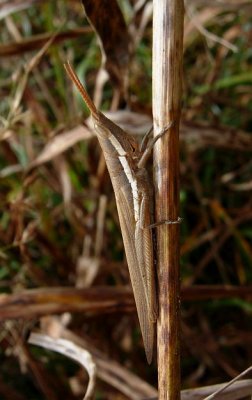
<point x="131" y="187"/>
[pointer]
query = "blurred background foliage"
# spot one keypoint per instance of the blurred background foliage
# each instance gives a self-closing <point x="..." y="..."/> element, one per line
<point x="58" y="221"/>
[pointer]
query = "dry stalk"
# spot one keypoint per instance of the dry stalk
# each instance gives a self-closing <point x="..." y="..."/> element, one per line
<point x="167" y="78"/>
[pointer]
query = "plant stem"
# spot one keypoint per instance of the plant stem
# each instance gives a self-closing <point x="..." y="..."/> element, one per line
<point x="167" y="81"/>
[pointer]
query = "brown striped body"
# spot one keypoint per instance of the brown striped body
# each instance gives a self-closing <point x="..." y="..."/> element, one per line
<point x="131" y="187"/>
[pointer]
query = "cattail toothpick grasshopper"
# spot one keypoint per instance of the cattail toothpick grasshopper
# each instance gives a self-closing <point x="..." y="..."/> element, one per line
<point x="126" y="161"/>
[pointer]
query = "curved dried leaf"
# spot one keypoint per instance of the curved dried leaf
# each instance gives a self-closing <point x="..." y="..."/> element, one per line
<point x="71" y="350"/>
<point x="61" y="143"/>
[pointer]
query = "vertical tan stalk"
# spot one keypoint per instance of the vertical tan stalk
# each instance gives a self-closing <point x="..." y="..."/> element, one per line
<point x="167" y="81"/>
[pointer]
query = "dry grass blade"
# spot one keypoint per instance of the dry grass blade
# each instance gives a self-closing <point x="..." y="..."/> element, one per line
<point x="57" y="300"/>
<point x="113" y="373"/>
<point x="245" y="186"/>
<point x="190" y="9"/>
<point x="7" y="7"/>
<point x="195" y="137"/>
<point x="72" y="351"/>
<point x="23" y="82"/>
<point x="60" y="143"/>
<point x="138" y="34"/>
<point x="231" y="4"/>
<point x="98" y="300"/>
<point x="238" y="390"/>
<point x="37" y="41"/>
<point x="88" y="265"/>
<point x="227" y="385"/>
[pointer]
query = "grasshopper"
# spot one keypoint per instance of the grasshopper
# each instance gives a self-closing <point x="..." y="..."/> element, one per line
<point x="126" y="161"/>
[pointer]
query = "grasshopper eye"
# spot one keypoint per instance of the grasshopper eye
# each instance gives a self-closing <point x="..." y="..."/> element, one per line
<point x="133" y="146"/>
